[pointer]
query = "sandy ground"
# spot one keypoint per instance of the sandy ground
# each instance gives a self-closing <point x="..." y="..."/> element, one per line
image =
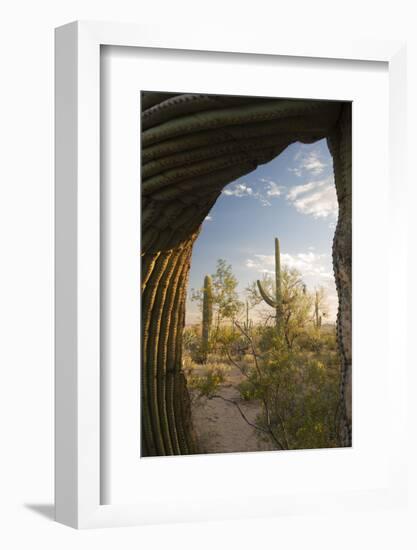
<point x="219" y="426"/>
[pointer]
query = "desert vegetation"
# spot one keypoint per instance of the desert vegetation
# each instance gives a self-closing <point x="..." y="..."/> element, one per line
<point x="262" y="369"/>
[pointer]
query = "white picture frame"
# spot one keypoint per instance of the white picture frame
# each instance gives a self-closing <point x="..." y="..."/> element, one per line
<point x="78" y="406"/>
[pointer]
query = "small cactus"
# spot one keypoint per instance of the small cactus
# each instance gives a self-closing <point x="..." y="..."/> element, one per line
<point x="277" y="302"/>
<point x="247" y="324"/>
<point x="318" y="317"/>
<point x="207" y="316"/>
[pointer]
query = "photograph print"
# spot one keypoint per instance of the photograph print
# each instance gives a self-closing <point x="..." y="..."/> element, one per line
<point x="246" y="274"/>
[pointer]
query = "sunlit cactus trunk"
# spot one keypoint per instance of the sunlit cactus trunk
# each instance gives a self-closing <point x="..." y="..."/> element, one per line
<point x="277" y="302"/>
<point x="166" y="417"/>
<point x="207" y="316"/>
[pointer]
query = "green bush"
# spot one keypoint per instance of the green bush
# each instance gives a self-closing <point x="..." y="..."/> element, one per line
<point x="208" y="383"/>
<point x="298" y="389"/>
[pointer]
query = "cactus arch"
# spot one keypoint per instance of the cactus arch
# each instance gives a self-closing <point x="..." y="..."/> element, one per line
<point x="192" y="146"/>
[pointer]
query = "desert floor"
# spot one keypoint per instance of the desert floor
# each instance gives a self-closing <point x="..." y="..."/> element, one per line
<point x="219" y="425"/>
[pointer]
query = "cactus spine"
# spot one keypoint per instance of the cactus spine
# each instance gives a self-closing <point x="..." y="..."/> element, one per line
<point x="207" y="316"/>
<point x="277" y="302"/>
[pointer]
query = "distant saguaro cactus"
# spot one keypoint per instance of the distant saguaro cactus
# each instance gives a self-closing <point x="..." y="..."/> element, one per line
<point x="319" y="309"/>
<point x="317" y="316"/>
<point x="247" y="324"/>
<point x="277" y="302"/>
<point x="207" y="316"/>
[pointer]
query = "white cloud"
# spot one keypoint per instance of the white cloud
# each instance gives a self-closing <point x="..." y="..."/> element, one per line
<point x="261" y="263"/>
<point x="238" y="190"/>
<point x="313" y="164"/>
<point x="208" y="218"/>
<point x="297" y="171"/>
<point x="300" y="189"/>
<point x="273" y="189"/>
<point x="320" y="204"/>
<point x="308" y="163"/>
<point x="310" y="264"/>
<point x="243" y="190"/>
<point x="315" y="198"/>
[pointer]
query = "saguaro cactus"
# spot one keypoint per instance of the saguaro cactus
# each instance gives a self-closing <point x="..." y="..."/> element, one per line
<point x="277" y="302"/>
<point x="207" y="316"/>
<point x="319" y="309"/>
<point x="317" y="316"/>
<point x="247" y="324"/>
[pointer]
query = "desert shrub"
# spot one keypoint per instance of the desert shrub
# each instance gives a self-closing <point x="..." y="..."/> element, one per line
<point x="188" y="366"/>
<point x="291" y="368"/>
<point x="209" y="381"/>
<point x="299" y="394"/>
<point x="266" y="338"/>
<point x="329" y="339"/>
<point x="298" y="391"/>
<point x="317" y="341"/>
<point x="191" y="341"/>
<point x="248" y="390"/>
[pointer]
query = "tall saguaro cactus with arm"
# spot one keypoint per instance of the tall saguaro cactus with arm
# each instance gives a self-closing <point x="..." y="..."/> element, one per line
<point x="207" y="316"/>
<point x="277" y="302"/>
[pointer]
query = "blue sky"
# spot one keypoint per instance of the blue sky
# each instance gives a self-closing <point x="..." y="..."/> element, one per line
<point x="292" y="197"/>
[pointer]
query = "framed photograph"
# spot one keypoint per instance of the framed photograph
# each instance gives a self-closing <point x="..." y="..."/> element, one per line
<point x="229" y="331"/>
